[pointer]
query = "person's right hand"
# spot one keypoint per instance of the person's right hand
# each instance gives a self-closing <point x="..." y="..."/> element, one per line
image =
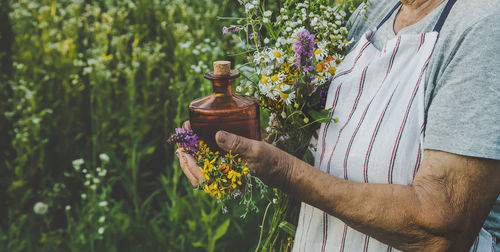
<point x="188" y="163"/>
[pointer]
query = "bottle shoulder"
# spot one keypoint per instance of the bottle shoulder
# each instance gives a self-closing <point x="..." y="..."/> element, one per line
<point x="220" y="102"/>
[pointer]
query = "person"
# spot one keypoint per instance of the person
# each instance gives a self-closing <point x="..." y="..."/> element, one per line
<point x="414" y="162"/>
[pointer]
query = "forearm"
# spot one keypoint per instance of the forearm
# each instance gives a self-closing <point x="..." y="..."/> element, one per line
<point x="443" y="210"/>
<point x="389" y="213"/>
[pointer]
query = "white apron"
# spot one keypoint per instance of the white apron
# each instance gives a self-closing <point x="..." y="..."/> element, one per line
<point x="378" y="97"/>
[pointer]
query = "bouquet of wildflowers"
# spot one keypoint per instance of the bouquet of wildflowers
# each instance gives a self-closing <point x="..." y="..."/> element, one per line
<point x="292" y="56"/>
<point x="226" y="176"/>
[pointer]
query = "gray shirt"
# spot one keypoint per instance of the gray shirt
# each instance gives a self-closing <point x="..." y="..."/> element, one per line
<point x="462" y="79"/>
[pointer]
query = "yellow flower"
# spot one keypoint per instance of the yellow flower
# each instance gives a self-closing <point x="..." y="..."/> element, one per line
<point x="264" y="80"/>
<point x="274" y="78"/>
<point x="284" y="96"/>
<point x="233" y="175"/>
<point x="332" y="70"/>
<point x="246" y="170"/>
<point x="205" y="175"/>
<point x="277" y="54"/>
<point x="318" y="51"/>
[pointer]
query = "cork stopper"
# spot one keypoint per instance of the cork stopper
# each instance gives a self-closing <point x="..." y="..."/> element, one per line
<point x="222" y="67"/>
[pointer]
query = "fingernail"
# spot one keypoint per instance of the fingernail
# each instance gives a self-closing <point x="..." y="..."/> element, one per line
<point x="221" y="136"/>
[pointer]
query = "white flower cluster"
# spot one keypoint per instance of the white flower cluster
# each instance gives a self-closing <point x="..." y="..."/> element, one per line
<point x="92" y="178"/>
<point x="279" y="67"/>
<point x="93" y="181"/>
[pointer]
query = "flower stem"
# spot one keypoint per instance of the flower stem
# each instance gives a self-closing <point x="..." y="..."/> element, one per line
<point x="262" y="226"/>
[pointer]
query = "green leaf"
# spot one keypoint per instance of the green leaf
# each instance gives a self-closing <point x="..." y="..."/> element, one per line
<point x="198" y="245"/>
<point x="308" y="157"/>
<point x="288" y="227"/>
<point x="221" y="230"/>
<point x="321" y="116"/>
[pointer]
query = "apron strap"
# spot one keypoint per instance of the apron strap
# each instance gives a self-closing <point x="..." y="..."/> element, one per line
<point x="444" y="15"/>
<point x="440" y="22"/>
<point x="389" y="14"/>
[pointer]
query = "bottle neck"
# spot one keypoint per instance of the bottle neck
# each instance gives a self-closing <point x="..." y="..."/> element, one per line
<point x="222" y="87"/>
<point x="222" y="84"/>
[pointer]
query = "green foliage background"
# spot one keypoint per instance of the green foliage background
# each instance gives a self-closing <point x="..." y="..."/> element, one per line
<point x="83" y="77"/>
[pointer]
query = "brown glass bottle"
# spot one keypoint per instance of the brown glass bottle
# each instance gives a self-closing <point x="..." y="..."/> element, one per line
<point x="223" y="110"/>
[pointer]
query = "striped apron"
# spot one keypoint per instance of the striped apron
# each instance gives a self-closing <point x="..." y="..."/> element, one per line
<point x="378" y="97"/>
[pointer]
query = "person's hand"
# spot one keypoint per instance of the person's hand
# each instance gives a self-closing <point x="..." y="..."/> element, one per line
<point x="271" y="164"/>
<point x="188" y="163"/>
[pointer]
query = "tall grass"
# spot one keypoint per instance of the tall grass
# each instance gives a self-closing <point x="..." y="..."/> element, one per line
<point x="84" y="77"/>
<point x="105" y="82"/>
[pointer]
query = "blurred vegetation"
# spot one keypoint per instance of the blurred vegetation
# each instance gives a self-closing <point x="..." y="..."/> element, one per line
<point x="89" y="92"/>
<point x="79" y="78"/>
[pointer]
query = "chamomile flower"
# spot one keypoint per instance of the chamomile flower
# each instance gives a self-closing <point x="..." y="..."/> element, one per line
<point x="288" y="98"/>
<point x="267" y="90"/>
<point x="278" y="78"/>
<point x="276" y="55"/>
<point x="321" y="52"/>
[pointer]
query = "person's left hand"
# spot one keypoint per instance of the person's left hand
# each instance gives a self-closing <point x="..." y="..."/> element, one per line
<point x="188" y="162"/>
<point x="266" y="161"/>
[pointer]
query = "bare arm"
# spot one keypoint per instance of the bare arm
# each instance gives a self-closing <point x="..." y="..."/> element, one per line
<point x="442" y="211"/>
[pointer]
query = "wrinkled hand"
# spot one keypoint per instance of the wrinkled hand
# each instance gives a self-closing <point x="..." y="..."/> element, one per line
<point x="188" y="163"/>
<point x="268" y="162"/>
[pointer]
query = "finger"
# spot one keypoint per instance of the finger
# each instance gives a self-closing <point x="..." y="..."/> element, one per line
<point x="235" y="143"/>
<point x="194" y="168"/>
<point x="184" y="166"/>
<point x="186" y="125"/>
<point x="183" y="163"/>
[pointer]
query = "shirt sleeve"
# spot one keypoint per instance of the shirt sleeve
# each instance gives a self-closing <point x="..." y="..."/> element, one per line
<point x="464" y="111"/>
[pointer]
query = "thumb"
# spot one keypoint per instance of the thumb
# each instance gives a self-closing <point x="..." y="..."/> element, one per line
<point x="237" y="144"/>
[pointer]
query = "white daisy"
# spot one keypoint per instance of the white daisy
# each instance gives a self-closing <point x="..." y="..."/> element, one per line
<point x="277" y="55"/>
<point x="321" y="53"/>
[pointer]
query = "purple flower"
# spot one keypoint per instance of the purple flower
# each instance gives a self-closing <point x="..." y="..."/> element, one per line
<point x="257" y="37"/>
<point x="186" y="139"/>
<point x="234" y="30"/>
<point x="304" y="50"/>
<point x="323" y="94"/>
<point x="224" y="30"/>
